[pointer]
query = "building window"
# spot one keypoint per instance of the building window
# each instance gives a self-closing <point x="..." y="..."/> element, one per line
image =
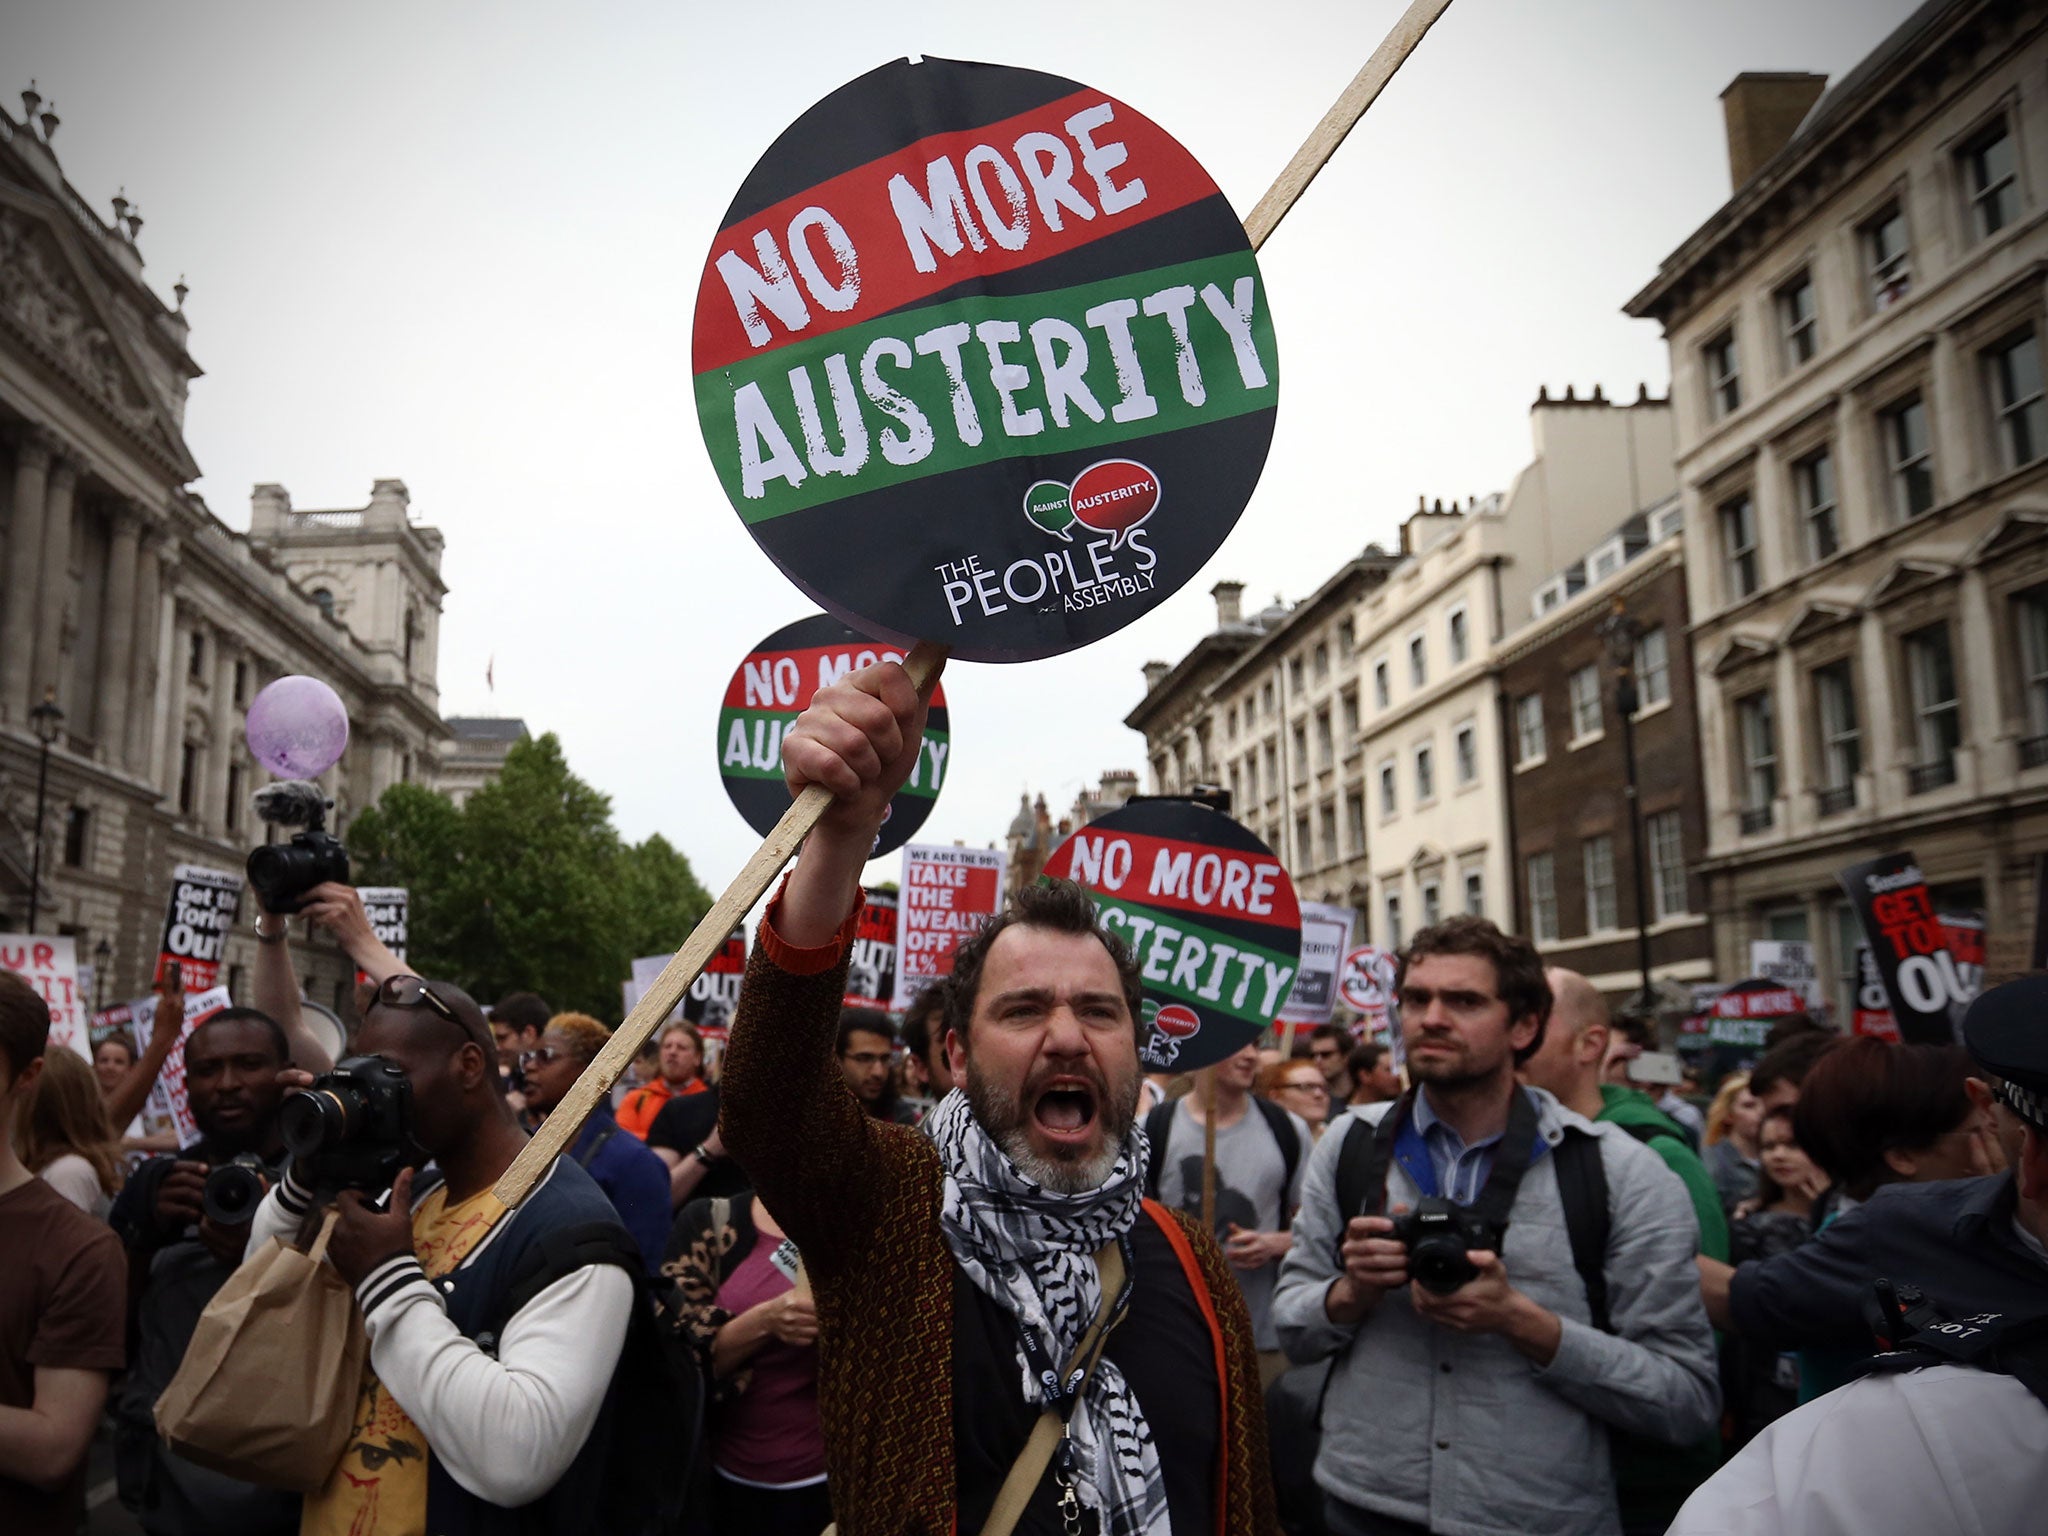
<point x="1304" y="851"/>
<point x="1267" y="694"/>
<point x="1382" y="684"/>
<point x="1475" y="893"/>
<point x="232" y="811"/>
<point x="1738" y="545"/>
<point x="1236" y="786"/>
<point x="1937" y="714"/>
<point x="1459" y="632"/>
<point x="1841" y="741"/>
<point x="1665" y="833"/>
<point x="1653" y="669"/>
<point x="1347" y="638"/>
<point x="1991" y="180"/>
<point x="1322" y="662"/>
<point x="195" y="658"/>
<point x="1887" y="260"/>
<point x="1724" y="375"/>
<point x="1393" y="911"/>
<point x="1543" y="898"/>
<point x="1389" y="793"/>
<point x="1529" y="743"/>
<point x="1908" y="458"/>
<point x="323" y="599"/>
<point x="1272" y="767"/>
<point x="1251" y="778"/>
<point x="2032" y="622"/>
<point x="1466" y="738"/>
<point x="1326" y="746"/>
<point x="1798" y="321"/>
<point x="241" y="682"/>
<point x="1602" y="913"/>
<point x="1585" y="695"/>
<point x="188" y="776"/>
<point x="1354" y="822"/>
<point x="1294" y="674"/>
<point x="2014" y="368"/>
<point x="1230" y="723"/>
<point x="1425" y="775"/>
<point x="1418" y="662"/>
<point x="77" y="836"/>
<point x="1328" y="817"/>
<point x="1300" y="752"/>
<point x="1432" y="904"/>
<point x="1813" y="481"/>
<point x="1347" y="716"/>
<point x="1757" y="734"/>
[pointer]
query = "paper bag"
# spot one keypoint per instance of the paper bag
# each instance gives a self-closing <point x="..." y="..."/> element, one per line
<point x="268" y="1386"/>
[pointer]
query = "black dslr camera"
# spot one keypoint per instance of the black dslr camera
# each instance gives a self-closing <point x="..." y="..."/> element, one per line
<point x="282" y="873"/>
<point x="1438" y="1233"/>
<point x="234" y="1189"/>
<point x="353" y="1128"/>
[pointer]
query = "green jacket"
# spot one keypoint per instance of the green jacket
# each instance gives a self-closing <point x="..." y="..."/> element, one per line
<point x="1651" y="1480"/>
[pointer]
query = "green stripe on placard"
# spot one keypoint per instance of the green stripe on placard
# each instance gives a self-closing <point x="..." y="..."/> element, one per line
<point x="1167" y="960"/>
<point x="901" y="402"/>
<point x="756" y="752"/>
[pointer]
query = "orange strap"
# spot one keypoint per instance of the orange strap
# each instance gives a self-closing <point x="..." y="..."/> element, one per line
<point x="1198" y="1283"/>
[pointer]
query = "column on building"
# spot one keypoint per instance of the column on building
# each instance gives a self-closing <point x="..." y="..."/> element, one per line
<point x="24" y="565"/>
<point x="1885" y="760"/>
<point x="213" y="810"/>
<point x="54" y="586"/>
<point x="144" y="649"/>
<point x="1988" y="744"/>
<point x="117" y="636"/>
<point x="171" y="765"/>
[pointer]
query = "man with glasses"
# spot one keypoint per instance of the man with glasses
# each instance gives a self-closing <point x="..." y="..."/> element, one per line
<point x="1482" y="1401"/>
<point x="633" y="1178"/>
<point x="471" y="1407"/>
<point x="1328" y="1047"/>
<point x="867" y="1049"/>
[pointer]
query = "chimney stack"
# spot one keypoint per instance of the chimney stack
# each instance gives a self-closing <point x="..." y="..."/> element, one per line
<point x="1155" y="674"/>
<point x="1229" y="597"/>
<point x="1762" y="112"/>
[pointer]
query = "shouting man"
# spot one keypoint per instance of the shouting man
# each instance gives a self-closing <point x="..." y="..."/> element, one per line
<point x="957" y="1276"/>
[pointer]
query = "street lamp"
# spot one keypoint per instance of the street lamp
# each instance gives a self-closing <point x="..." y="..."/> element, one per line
<point x="46" y="719"/>
<point x="1621" y="634"/>
<point x="102" y="961"/>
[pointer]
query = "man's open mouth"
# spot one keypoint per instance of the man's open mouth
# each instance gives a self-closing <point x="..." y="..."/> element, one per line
<point x="1065" y="1108"/>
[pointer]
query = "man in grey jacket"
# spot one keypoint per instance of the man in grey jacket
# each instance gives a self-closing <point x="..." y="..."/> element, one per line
<point x="1486" y="1411"/>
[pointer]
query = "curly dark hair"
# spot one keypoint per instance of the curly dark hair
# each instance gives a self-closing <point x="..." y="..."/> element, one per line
<point x="1517" y="967"/>
<point x="1058" y="905"/>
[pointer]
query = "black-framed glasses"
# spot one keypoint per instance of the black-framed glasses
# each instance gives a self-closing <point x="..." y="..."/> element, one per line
<point x="413" y="992"/>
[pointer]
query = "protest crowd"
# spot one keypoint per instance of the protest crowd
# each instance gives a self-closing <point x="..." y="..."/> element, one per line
<point x="972" y="1269"/>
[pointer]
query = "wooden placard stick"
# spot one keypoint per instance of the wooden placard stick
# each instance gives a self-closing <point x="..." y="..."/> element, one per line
<point x="609" y="1065"/>
<point x="780" y="846"/>
<point x="1208" y="1149"/>
<point x="1323" y="140"/>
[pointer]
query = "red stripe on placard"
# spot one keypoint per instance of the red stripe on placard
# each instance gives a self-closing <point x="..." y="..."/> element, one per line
<point x="775" y="688"/>
<point x="887" y="277"/>
<point x="1151" y="872"/>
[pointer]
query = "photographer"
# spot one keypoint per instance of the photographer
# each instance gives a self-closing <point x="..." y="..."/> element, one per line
<point x="339" y="909"/>
<point x="471" y="1406"/>
<point x="1479" y="1397"/>
<point x="178" y="1218"/>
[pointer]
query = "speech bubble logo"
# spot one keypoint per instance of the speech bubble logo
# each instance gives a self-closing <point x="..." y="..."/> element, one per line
<point x="1177" y="1021"/>
<point x="1046" y="505"/>
<point x="1114" y="496"/>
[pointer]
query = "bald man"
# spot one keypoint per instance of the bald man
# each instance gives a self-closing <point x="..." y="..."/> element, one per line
<point x="1652" y="1481"/>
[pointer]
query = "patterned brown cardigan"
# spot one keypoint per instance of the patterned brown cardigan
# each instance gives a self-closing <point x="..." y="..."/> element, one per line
<point x="861" y="1198"/>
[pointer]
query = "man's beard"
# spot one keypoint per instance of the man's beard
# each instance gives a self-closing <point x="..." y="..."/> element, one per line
<point x="1066" y="1171"/>
<point x="1455" y="1072"/>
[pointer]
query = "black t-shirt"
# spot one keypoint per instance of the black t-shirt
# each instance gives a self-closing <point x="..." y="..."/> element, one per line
<point x="1163" y="1347"/>
<point x="683" y="1123"/>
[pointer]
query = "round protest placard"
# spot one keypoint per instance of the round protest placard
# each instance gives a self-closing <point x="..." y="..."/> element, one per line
<point x="1208" y="911"/>
<point x="982" y="357"/>
<point x="774" y="685"/>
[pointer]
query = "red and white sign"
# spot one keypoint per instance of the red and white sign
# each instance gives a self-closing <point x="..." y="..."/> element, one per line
<point x="50" y="965"/>
<point x="1366" y="982"/>
<point x="948" y="893"/>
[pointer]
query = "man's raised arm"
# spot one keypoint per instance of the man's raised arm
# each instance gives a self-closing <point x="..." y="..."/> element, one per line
<point x="786" y="1113"/>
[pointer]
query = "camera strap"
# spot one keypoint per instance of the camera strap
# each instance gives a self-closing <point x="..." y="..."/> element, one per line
<point x="1363" y="1163"/>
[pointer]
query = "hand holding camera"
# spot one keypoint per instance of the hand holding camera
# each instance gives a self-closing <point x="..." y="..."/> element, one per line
<point x="365" y="1236"/>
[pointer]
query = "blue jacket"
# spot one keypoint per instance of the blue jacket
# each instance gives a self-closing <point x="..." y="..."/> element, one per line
<point x="634" y="1179"/>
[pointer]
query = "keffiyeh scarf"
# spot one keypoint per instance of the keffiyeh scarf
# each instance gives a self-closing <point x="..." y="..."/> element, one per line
<point x="1032" y="1251"/>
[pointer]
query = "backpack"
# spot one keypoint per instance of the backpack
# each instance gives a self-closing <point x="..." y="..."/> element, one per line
<point x="1159" y="1122"/>
<point x="654" y="1413"/>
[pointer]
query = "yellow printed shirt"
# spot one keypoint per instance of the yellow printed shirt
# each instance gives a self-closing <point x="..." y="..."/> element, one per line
<point x="379" y="1487"/>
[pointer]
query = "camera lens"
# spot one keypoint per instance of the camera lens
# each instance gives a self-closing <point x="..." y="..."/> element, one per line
<point x="1439" y="1264"/>
<point x="232" y="1193"/>
<point x="319" y="1117"/>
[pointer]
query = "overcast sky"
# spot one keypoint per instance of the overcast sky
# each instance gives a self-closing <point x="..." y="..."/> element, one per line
<point x="459" y="244"/>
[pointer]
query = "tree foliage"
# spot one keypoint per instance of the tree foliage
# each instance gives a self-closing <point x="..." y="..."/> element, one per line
<point x="528" y="886"/>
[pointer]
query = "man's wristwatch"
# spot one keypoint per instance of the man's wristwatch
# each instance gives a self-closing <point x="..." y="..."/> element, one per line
<point x="703" y="1154"/>
<point x="284" y="929"/>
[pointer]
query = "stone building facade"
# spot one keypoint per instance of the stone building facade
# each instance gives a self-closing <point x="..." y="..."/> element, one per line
<point x="1856" y="341"/>
<point x="144" y="618"/>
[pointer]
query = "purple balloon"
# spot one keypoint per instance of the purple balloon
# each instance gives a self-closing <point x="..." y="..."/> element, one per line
<point x="298" y="727"/>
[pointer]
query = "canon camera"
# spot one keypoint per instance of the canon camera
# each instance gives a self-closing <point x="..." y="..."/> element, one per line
<point x="353" y="1128"/>
<point x="1438" y="1233"/>
<point x="282" y="874"/>
<point x="234" y="1189"/>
